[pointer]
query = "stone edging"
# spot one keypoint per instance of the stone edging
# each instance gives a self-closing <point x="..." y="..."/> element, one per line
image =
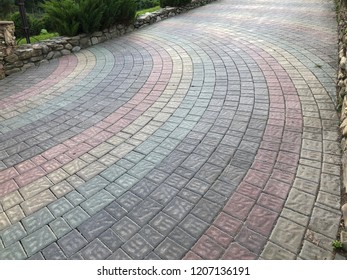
<point x="25" y="56"/>
<point x="342" y="102"/>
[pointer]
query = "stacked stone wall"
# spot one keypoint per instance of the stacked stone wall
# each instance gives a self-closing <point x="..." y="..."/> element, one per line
<point x="18" y="58"/>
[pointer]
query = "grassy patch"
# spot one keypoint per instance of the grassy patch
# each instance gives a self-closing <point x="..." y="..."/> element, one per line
<point x="37" y="38"/>
<point x="150" y="10"/>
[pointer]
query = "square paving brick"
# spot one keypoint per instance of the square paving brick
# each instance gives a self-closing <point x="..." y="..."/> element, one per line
<point x="75" y="198"/>
<point x="60" y="207"/>
<point x="144" y="188"/>
<point x="61" y="189"/>
<point x="182" y="238"/>
<point x="275" y="252"/>
<point x="208" y="249"/>
<point x="193" y="226"/>
<point x="10" y="200"/>
<point x="38" y="240"/>
<point x="72" y="243"/>
<point x="97" y="202"/>
<point x="142" y="213"/>
<point x="125" y="228"/>
<point x="163" y="223"/>
<point x="119" y="255"/>
<point x="37" y="202"/>
<point x="75" y="217"/>
<point x="178" y="208"/>
<point x="111" y="240"/>
<point x="163" y="194"/>
<point x="170" y="250"/>
<point x="13" y="234"/>
<point x="13" y="252"/>
<point x="152" y="236"/>
<point x="237" y="252"/>
<point x="53" y="252"/>
<point x="92" y="186"/>
<point x="60" y="227"/>
<point x="115" y="210"/>
<point x="113" y="172"/>
<point x="137" y="247"/>
<point x="37" y="220"/>
<point x="95" y="250"/>
<point x="96" y="225"/>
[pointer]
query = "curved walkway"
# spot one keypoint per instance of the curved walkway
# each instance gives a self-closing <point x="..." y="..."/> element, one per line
<point x="210" y="135"/>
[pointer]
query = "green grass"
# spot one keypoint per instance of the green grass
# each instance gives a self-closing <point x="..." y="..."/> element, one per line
<point x="150" y="10"/>
<point x="37" y="38"/>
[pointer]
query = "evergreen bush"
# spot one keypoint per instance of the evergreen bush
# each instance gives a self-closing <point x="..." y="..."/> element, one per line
<point x="174" y="3"/>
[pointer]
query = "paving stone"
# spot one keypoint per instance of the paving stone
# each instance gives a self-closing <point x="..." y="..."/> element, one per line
<point x="13" y="252"/>
<point x="95" y="250"/>
<point x="96" y="225"/>
<point x="115" y="210"/>
<point x="61" y="189"/>
<point x="137" y="247"/>
<point x="288" y="235"/>
<point x="75" y="217"/>
<point x="119" y="255"/>
<point x="170" y="250"/>
<point x="129" y="200"/>
<point x="53" y="252"/>
<point x="208" y="249"/>
<point x="72" y="243"/>
<point x="182" y="238"/>
<point x="37" y="220"/>
<point x="97" y="202"/>
<point x="75" y="198"/>
<point x="163" y="194"/>
<point x="143" y="212"/>
<point x="206" y="210"/>
<point x="300" y="201"/>
<point x="152" y="236"/>
<point x="38" y="240"/>
<point x="125" y="228"/>
<point x="60" y="227"/>
<point x="111" y="240"/>
<point x="92" y="186"/>
<point x="163" y="223"/>
<point x="113" y="172"/>
<point x="313" y="252"/>
<point x="60" y="207"/>
<point x="275" y="252"/>
<point x="10" y="200"/>
<point x="13" y="234"/>
<point x="324" y="222"/>
<point x="144" y="188"/>
<point x="15" y="214"/>
<point x="37" y="202"/>
<point x="193" y="226"/>
<point x="178" y="208"/>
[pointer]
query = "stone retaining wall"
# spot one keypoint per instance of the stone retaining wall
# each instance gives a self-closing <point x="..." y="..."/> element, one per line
<point x="7" y="43"/>
<point x="342" y="103"/>
<point x="19" y="58"/>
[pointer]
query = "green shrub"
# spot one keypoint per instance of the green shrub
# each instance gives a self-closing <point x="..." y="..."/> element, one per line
<point x="64" y="16"/>
<point x="90" y="14"/>
<point x="7" y="7"/>
<point x="174" y="3"/>
<point x="145" y="4"/>
<point x="127" y="11"/>
<point x="35" y="24"/>
<point x="70" y="17"/>
<point x="111" y="13"/>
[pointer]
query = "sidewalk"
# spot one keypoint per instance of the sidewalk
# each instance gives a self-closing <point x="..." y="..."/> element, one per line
<point x="210" y="135"/>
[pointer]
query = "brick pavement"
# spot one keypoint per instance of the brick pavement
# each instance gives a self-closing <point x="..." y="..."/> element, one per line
<point x="210" y="135"/>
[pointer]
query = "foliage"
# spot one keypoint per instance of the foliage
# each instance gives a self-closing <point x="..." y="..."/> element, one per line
<point x="127" y="11"/>
<point x="337" y="244"/>
<point x="90" y="15"/>
<point x="149" y="10"/>
<point x="111" y="13"/>
<point x="35" y="24"/>
<point x="7" y="7"/>
<point x="174" y="3"/>
<point x="38" y="38"/>
<point x="70" y="17"/>
<point x="63" y="15"/>
<point x="146" y="4"/>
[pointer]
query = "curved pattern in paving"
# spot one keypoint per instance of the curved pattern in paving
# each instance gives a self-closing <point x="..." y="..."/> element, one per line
<point x="211" y="135"/>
